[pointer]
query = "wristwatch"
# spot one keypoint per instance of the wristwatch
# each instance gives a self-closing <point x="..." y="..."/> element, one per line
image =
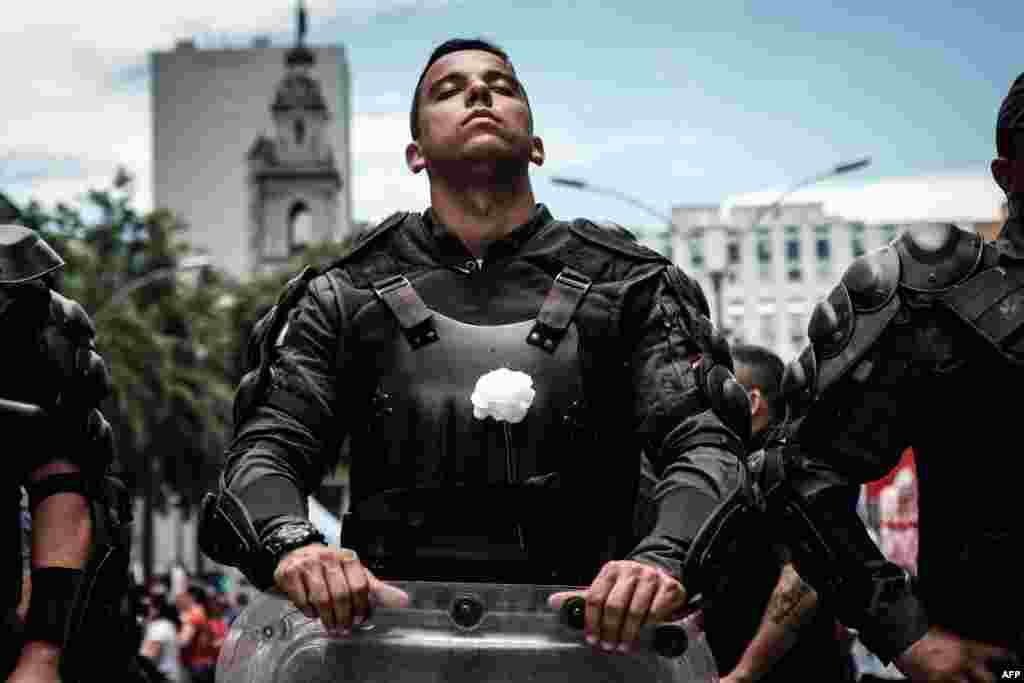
<point x="287" y="535"/>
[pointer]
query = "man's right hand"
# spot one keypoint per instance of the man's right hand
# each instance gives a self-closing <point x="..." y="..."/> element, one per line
<point x="944" y="657"/>
<point x="332" y="584"/>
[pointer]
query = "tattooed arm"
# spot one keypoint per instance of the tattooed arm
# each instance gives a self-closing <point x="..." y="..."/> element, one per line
<point x="792" y="604"/>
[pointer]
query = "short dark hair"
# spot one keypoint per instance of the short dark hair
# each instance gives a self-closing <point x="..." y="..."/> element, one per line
<point x="1010" y="122"/>
<point x="446" y="48"/>
<point x="199" y="595"/>
<point x="766" y="370"/>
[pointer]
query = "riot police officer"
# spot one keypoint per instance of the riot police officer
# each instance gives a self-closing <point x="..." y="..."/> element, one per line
<point x="59" y="448"/>
<point x="387" y="346"/>
<point x="921" y="344"/>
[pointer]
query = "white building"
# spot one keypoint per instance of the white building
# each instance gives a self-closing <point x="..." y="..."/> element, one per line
<point x="776" y="264"/>
<point x="209" y="107"/>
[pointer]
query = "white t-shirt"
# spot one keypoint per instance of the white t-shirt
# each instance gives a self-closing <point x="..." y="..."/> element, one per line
<point x="169" y="661"/>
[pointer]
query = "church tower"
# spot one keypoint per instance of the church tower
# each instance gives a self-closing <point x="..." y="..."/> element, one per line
<point x="294" y="182"/>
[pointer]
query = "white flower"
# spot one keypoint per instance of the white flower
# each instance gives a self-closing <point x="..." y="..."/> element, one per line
<point x="503" y="394"/>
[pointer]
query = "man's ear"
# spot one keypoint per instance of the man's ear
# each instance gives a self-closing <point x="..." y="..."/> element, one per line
<point x="414" y="157"/>
<point x="537" y="150"/>
<point x="757" y="403"/>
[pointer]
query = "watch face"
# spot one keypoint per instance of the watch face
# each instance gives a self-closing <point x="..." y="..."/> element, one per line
<point x="289" y="536"/>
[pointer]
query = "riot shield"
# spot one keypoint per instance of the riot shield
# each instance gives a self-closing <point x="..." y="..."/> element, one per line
<point x="454" y="633"/>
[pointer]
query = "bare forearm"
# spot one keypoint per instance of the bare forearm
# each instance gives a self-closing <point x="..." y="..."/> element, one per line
<point x="792" y="604"/>
<point x="61" y="525"/>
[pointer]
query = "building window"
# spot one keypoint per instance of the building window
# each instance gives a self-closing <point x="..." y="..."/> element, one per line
<point x="763" y="252"/>
<point x="696" y="251"/>
<point x="792" y="242"/>
<point x="889" y="233"/>
<point x="823" y="250"/>
<point x="300" y="227"/>
<point x="733" y="252"/>
<point x="300" y="131"/>
<point x="857" y="239"/>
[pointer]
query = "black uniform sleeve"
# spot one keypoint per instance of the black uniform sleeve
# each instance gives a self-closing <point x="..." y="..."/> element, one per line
<point x="290" y="436"/>
<point x="867" y="591"/>
<point x="693" y="454"/>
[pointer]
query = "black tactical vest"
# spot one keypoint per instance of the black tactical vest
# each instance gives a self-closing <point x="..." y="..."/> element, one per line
<point x="438" y="493"/>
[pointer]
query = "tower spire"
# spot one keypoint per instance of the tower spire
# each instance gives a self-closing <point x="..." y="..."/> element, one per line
<point x="300" y="56"/>
<point x="302" y="20"/>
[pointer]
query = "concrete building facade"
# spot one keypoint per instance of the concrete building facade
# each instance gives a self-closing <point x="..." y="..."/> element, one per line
<point x="775" y="265"/>
<point x="248" y="202"/>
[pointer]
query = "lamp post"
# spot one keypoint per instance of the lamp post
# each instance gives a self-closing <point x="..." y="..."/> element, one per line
<point x="718" y="266"/>
<point x="579" y="184"/>
<point x="839" y="169"/>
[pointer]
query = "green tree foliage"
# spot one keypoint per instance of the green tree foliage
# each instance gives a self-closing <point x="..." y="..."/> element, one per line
<point x="176" y="344"/>
<point x="165" y="404"/>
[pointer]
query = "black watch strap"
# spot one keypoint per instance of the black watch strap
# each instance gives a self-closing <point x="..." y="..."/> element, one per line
<point x="288" y="533"/>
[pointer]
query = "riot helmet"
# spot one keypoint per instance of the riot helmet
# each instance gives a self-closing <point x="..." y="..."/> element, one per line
<point x="25" y="256"/>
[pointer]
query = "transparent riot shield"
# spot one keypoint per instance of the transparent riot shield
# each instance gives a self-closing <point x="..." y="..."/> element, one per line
<point x="453" y="633"/>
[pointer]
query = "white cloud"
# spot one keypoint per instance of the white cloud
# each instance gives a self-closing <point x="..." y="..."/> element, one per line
<point x="81" y="96"/>
<point x="102" y="24"/>
<point x="956" y="197"/>
<point x="381" y="183"/>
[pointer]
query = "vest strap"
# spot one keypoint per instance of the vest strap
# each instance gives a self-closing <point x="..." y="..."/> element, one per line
<point x="559" y="307"/>
<point x="415" y="319"/>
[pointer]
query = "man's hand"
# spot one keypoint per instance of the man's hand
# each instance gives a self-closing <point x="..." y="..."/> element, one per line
<point x="332" y="584"/>
<point x="625" y="596"/>
<point x="736" y="677"/>
<point x="944" y="657"/>
<point x="38" y="663"/>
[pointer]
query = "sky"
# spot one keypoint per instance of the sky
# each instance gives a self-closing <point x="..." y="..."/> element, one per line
<point x="670" y="103"/>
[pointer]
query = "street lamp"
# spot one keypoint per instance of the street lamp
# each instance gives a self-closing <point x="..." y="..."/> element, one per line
<point x="579" y="184"/>
<point x="119" y="296"/>
<point x="839" y="169"/>
<point x="718" y="266"/>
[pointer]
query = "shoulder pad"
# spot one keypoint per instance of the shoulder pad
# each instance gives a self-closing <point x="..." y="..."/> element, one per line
<point x="614" y="238"/>
<point x="872" y="279"/>
<point x="798" y="383"/>
<point x="296" y="282"/>
<point x="290" y="295"/>
<point x="73" y="318"/>
<point x="617" y="229"/>
<point x="368" y="237"/>
<point x="937" y="256"/>
<point x="832" y="323"/>
<point x="729" y="400"/>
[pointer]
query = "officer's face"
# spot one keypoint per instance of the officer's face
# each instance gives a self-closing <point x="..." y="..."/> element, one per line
<point x="472" y="108"/>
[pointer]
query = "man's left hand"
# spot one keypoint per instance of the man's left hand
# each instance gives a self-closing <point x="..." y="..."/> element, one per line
<point x="625" y="596"/>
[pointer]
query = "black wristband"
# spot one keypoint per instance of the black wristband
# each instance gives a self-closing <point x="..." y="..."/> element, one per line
<point x="53" y="594"/>
<point x="287" y="533"/>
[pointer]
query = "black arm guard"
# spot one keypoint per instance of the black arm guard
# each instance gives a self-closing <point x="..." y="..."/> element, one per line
<point x="228" y="535"/>
<point x="815" y="511"/>
<point x="718" y="542"/>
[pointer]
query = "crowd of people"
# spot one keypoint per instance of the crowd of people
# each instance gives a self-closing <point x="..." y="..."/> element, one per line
<point x="183" y="627"/>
